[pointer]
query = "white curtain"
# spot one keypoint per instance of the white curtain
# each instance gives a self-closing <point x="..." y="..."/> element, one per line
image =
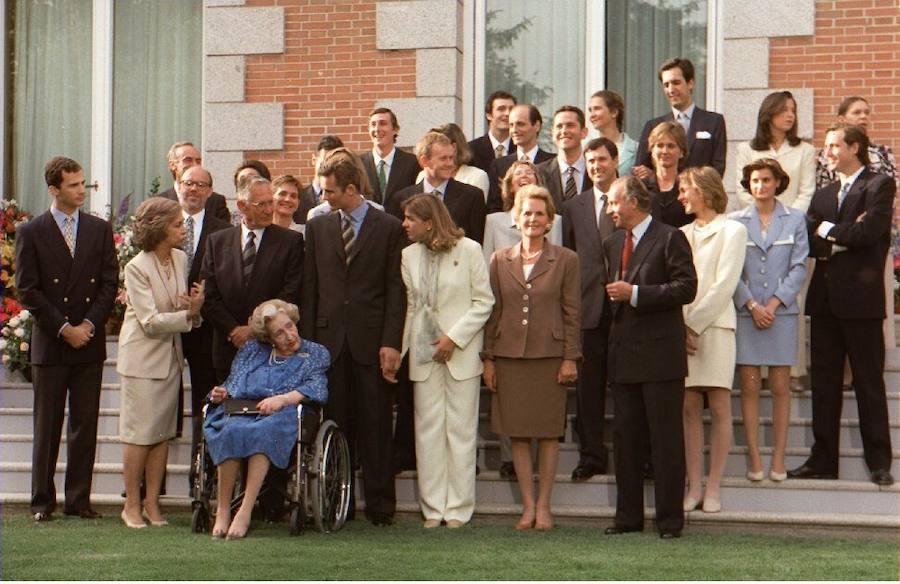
<point x="157" y="72"/>
<point x="52" y="93"/>
<point x="535" y="50"/>
<point x="640" y="35"/>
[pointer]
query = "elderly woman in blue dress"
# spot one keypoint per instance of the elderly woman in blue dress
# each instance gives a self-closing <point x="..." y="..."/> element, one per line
<point x="279" y="369"/>
<point x="766" y="302"/>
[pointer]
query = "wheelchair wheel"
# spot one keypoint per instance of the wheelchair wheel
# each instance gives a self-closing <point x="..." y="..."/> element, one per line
<point x="331" y="480"/>
<point x="200" y="519"/>
<point x="298" y="519"/>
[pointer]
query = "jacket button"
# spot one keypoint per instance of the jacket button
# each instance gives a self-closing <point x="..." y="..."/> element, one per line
<point x="66" y="317"/>
<point x="762" y="271"/>
<point x="765" y="284"/>
<point x="524" y="321"/>
<point x="525" y="297"/>
<point x="56" y="280"/>
<point x="65" y="298"/>
<point x="528" y="286"/>
<point x="524" y="309"/>
<point x="92" y="280"/>
<point x="346" y="302"/>
<point x="88" y="299"/>
<point x="762" y="259"/>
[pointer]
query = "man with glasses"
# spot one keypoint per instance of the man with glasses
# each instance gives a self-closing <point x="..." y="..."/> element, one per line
<point x="182" y="156"/>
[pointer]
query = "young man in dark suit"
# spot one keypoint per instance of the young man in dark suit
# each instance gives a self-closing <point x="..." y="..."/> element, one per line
<point x="182" y="156"/>
<point x="67" y="276"/>
<point x="652" y="276"/>
<point x="707" y="142"/>
<point x="312" y="194"/>
<point x="586" y="224"/>
<point x="564" y="175"/>
<point x="849" y="235"/>
<point x="389" y="169"/>
<point x="525" y="123"/>
<point x="496" y="142"/>
<point x="354" y="303"/>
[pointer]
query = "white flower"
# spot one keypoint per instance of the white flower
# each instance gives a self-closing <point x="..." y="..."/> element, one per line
<point x="20" y="332"/>
<point x="23" y="314"/>
<point x="23" y="346"/>
<point x="5" y="359"/>
<point x="14" y="321"/>
<point x="2" y="344"/>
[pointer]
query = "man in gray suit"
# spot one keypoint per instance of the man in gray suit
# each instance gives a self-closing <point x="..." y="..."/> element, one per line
<point x="564" y="175"/>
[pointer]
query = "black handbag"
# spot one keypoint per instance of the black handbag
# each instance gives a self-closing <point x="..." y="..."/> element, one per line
<point x="241" y="407"/>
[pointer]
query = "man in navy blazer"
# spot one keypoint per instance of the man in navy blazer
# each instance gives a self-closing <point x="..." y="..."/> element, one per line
<point x="389" y="169"/>
<point x="652" y="276"/>
<point x="496" y="142"/>
<point x="525" y="123"/>
<point x="849" y="235"/>
<point x="67" y="276"/>
<point x="707" y="142"/>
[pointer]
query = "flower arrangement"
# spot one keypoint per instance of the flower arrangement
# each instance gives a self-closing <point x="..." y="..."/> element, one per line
<point x="123" y="236"/>
<point x="15" y="339"/>
<point x="10" y="217"/>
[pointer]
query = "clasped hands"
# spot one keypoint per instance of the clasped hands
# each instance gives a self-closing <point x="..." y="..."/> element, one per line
<point x="193" y="301"/>
<point x="78" y="335"/>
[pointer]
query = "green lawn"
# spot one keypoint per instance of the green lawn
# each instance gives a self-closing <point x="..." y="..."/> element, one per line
<point x="489" y="549"/>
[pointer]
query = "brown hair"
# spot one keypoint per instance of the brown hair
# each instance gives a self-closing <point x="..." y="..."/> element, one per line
<point x="848" y="101"/>
<point x="614" y="103"/>
<point x="687" y="68"/>
<point x="256" y="165"/>
<point x="345" y="167"/>
<point x="534" y="192"/>
<point x="394" y="123"/>
<point x="706" y="179"/>
<point x="771" y="106"/>
<point x="854" y="135"/>
<point x="489" y="105"/>
<point x="579" y="113"/>
<point x="676" y="131"/>
<point x="55" y="168"/>
<point x="444" y="233"/>
<point x="151" y="220"/>
<point x="287" y="179"/>
<point x="432" y="137"/>
<point x="265" y="312"/>
<point x="506" y="183"/>
<point x="458" y="138"/>
<point x="772" y="165"/>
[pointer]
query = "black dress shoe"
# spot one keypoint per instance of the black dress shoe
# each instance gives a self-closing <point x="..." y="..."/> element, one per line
<point x="806" y="471"/>
<point x="83" y="513"/>
<point x="586" y="470"/>
<point x="42" y="516"/>
<point x="507" y="471"/>
<point x="616" y="530"/>
<point x="669" y="534"/>
<point x="882" y="477"/>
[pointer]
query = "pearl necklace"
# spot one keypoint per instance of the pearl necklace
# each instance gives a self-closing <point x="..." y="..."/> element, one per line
<point x="530" y="256"/>
<point x="274" y="360"/>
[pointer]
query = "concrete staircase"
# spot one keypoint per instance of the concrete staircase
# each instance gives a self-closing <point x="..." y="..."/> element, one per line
<point x="852" y="500"/>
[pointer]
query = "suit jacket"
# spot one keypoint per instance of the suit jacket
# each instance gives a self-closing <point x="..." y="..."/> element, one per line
<point x="646" y="342"/>
<point x="525" y="311"/>
<point x="307" y="202"/>
<point x="707" y="141"/>
<point x="215" y="204"/>
<point x="718" y="251"/>
<point x="152" y="318"/>
<point x="57" y="288"/>
<point x="463" y="305"/>
<point x="403" y="174"/>
<point x="497" y="171"/>
<point x="549" y="169"/>
<point x="360" y="303"/>
<point x="500" y="230"/>
<point x="464" y="202"/>
<point x="775" y="265"/>
<point x="849" y="283"/>
<point x="483" y="152"/>
<point x="199" y="339"/>
<point x="277" y="273"/>
<point x="583" y="235"/>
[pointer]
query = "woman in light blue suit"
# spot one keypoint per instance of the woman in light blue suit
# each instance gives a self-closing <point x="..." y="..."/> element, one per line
<point x="766" y="301"/>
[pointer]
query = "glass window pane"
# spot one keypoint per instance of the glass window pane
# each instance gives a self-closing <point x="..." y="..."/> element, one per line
<point x="640" y="35"/>
<point x="157" y="87"/>
<point x="51" y="72"/>
<point x="535" y="50"/>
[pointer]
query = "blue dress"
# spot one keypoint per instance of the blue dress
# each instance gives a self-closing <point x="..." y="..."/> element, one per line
<point x="254" y="377"/>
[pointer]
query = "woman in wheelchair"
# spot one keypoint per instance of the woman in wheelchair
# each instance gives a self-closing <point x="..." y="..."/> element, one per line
<point x="276" y="370"/>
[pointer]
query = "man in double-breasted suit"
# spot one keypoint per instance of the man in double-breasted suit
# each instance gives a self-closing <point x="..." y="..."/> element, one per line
<point x="496" y="142"/>
<point x="585" y="225"/>
<point x="182" y="156"/>
<point x="565" y="176"/>
<point x="389" y="169"/>
<point x="707" y="141"/>
<point x="652" y="276"/>
<point x="354" y="304"/>
<point x="849" y="235"/>
<point x="525" y="123"/>
<point x="67" y="276"/>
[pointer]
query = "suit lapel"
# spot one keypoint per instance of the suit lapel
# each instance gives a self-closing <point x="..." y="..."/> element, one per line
<point x="752" y="223"/>
<point x="263" y="256"/>
<point x="83" y="244"/>
<point x="399" y="167"/>
<point x="544" y="263"/>
<point x="369" y="224"/>
<point x="56" y="241"/>
<point x="451" y="197"/>
<point x="692" y="128"/>
<point x="647" y="242"/>
<point x="513" y="264"/>
<point x="851" y="201"/>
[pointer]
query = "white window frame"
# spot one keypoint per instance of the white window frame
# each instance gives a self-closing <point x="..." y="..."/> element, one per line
<point x="474" y="123"/>
<point x="101" y="106"/>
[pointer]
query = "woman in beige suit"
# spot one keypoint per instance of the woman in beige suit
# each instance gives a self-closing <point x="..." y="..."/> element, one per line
<point x="448" y="301"/>
<point x="150" y="360"/>
<point x="718" y="245"/>
<point x="531" y="347"/>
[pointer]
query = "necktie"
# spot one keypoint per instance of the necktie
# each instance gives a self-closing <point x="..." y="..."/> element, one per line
<point x="683" y="120"/>
<point x="600" y="208"/>
<point x="524" y="158"/>
<point x="382" y="177"/>
<point x="499" y="150"/>
<point x="627" y="250"/>
<point x="845" y="188"/>
<point x="438" y="194"/>
<point x="189" y="244"/>
<point x="249" y="255"/>
<point x="349" y="236"/>
<point x="571" y="188"/>
<point x="69" y="234"/>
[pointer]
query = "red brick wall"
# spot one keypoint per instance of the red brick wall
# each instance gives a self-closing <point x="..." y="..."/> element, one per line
<point x="328" y="78"/>
<point x="855" y="51"/>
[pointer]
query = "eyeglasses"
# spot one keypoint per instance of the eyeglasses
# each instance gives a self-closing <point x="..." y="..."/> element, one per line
<point x="190" y="160"/>
<point x="263" y="204"/>
<point x="195" y="183"/>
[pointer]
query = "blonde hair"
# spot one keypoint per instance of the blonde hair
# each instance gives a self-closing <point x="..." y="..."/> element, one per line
<point x="706" y="179"/>
<point x="265" y="312"/>
<point x="444" y="233"/>
<point x="506" y="183"/>
<point x="534" y="192"/>
<point x="425" y="145"/>
<point x="676" y="131"/>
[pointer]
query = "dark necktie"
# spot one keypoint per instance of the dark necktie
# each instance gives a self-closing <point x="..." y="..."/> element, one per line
<point x="349" y="236"/>
<point x="249" y="255"/>
<point x="571" y="188"/>
<point x="382" y="177"/>
<point x="189" y="245"/>
<point x="627" y="250"/>
<point x="499" y="150"/>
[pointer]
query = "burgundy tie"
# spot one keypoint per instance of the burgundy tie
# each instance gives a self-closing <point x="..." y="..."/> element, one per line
<point x="627" y="250"/>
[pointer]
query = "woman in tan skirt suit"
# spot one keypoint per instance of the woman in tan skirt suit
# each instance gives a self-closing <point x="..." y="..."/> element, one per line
<point x="150" y="360"/>
<point x="531" y="346"/>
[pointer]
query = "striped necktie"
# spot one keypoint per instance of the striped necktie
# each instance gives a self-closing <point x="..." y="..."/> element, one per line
<point x="189" y="245"/>
<point x="571" y="188"/>
<point x="348" y="235"/>
<point x="249" y="256"/>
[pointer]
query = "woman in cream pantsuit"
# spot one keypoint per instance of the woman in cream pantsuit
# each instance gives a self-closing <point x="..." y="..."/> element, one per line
<point x="150" y="359"/>
<point x="449" y="300"/>
<point x="719" y="246"/>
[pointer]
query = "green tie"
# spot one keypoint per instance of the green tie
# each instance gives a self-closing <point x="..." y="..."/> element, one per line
<point x="382" y="178"/>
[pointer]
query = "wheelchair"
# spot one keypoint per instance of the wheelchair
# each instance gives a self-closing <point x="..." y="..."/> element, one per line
<point x="320" y="479"/>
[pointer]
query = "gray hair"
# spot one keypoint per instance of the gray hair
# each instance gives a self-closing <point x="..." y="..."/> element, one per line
<point x="170" y="156"/>
<point x="245" y="186"/>
<point x="265" y="312"/>
<point x="635" y="189"/>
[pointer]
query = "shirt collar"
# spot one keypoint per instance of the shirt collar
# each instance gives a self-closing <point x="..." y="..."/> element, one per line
<point x="59" y="216"/>
<point x="530" y="154"/>
<point x="597" y="195"/>
<point x="198" y="217"/>
<point x="689" y="112"/>
<point x="246" y="230"/>
<point x="441" y="187"/>
<point x="495" y="142"/>
<point x="638" y="231"/>
<point x="564" y="166"/>
<point x="357" y="215"/>
<point x="852" y="178"/>
<point x="388" y="160"/>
